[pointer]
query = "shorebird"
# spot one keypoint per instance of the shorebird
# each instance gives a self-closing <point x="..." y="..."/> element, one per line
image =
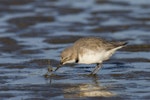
<point x="90" y="50"/>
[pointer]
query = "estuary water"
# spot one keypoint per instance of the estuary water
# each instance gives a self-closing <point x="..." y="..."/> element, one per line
<point x="34" y="32"/>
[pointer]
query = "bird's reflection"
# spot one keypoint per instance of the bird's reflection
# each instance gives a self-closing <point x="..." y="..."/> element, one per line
<point x="93" y="89"/>
<point x="88" y="90"/>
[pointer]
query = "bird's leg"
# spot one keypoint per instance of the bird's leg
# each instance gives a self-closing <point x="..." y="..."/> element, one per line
<point x="96" y="69"/>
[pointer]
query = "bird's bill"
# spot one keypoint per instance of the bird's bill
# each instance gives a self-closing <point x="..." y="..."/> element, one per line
<point x="57" y="67"/>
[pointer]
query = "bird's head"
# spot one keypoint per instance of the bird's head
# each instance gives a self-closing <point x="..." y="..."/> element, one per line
<point x="67" y="56"/>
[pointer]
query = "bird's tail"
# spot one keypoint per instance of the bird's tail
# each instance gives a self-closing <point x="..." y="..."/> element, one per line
<point x="121" y="44"/>
<point x="118" y="45"/>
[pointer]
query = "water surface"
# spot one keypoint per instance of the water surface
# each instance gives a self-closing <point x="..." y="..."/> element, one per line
<point x="34" y="32"/>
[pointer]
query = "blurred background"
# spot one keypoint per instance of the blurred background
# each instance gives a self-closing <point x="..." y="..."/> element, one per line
<point x="34" y="32"/>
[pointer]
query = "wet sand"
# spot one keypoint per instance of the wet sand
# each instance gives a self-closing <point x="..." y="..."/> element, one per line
<point x="34" y="32"/>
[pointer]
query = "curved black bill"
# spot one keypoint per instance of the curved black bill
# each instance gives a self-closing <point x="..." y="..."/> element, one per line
<point x="57" y="67"/>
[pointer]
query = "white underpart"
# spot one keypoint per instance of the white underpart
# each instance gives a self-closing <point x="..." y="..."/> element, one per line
<point x="90" y="56"/>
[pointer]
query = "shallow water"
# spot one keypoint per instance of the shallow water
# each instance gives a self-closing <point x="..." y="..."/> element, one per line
<point x="34" y="32"/>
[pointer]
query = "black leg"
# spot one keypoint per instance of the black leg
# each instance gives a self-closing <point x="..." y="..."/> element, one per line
<point x="96" y="69"/>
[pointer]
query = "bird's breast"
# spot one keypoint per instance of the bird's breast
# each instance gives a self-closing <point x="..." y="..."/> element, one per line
<point x="91" y="57"/>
